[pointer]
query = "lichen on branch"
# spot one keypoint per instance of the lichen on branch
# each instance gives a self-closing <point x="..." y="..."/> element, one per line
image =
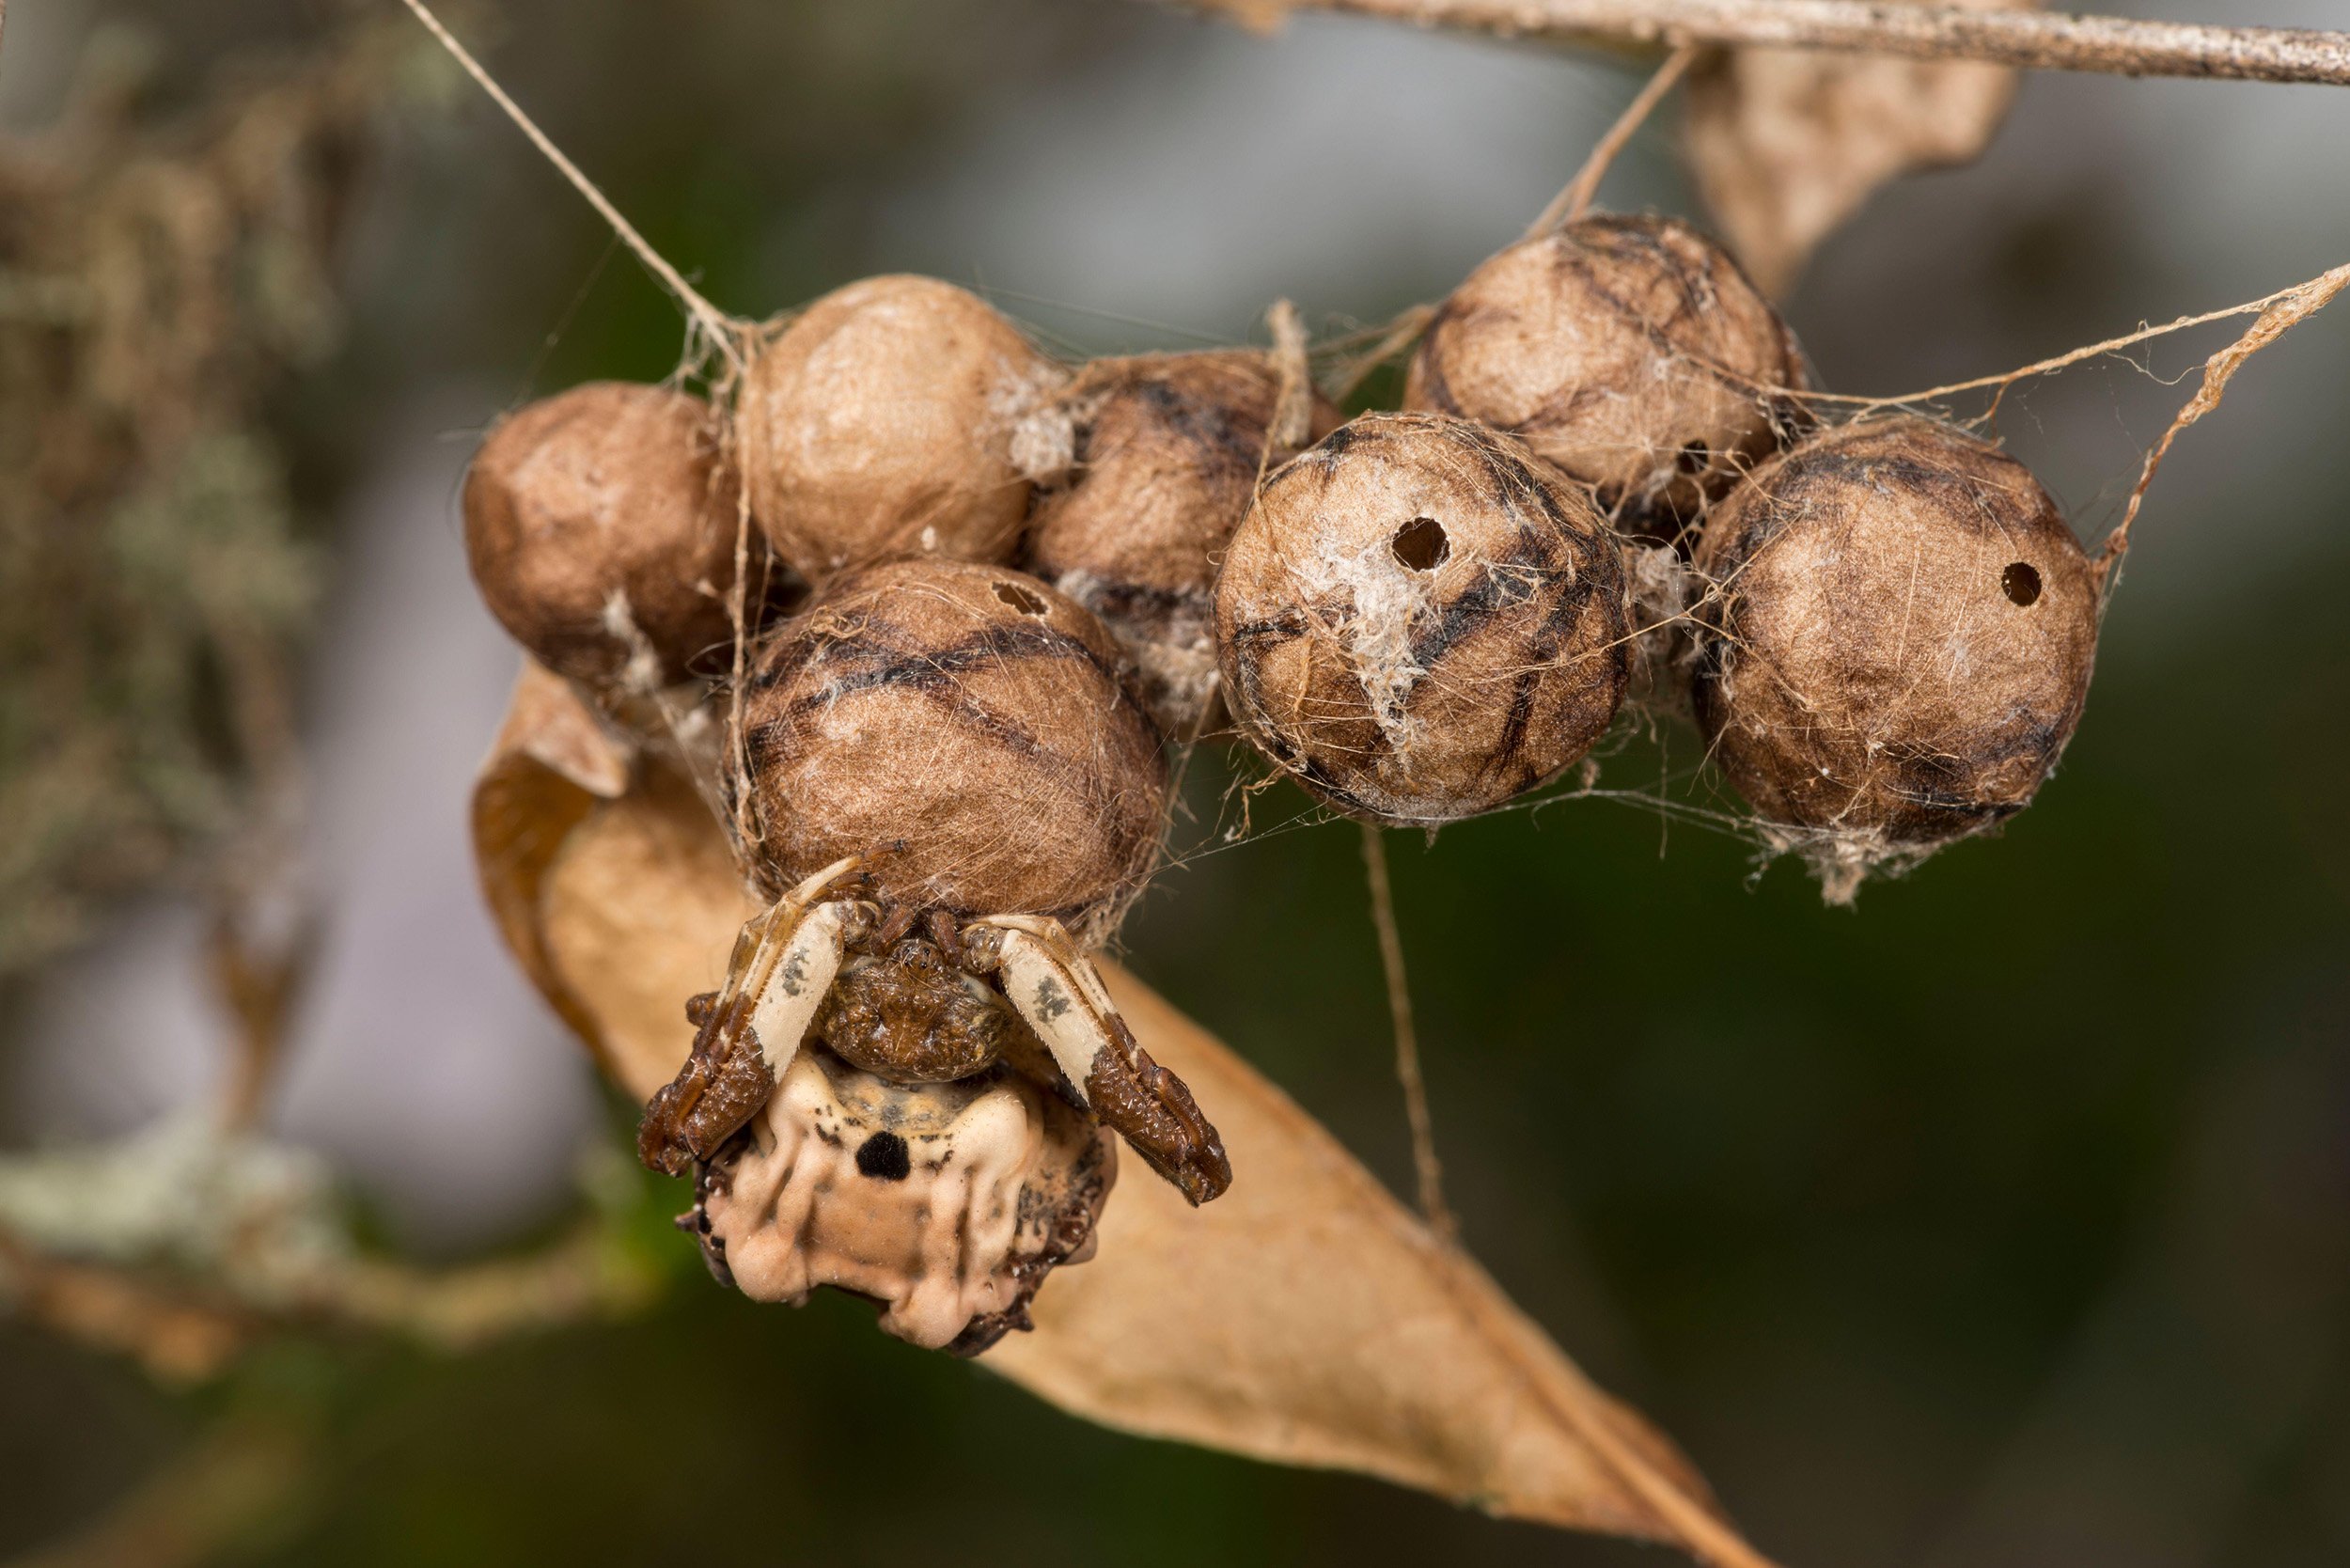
<point x="2036" y="40"/>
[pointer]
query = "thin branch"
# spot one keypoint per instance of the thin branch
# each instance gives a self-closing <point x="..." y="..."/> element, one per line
<point x="258" y="980"/>
<point x="2040" y="40"/>
<point x="714" y="324"/>
<point x="2049" y="367"/>
<point x="186" y="1328"/>
<point x="1294" y="400"/>
<point x="2297" y="305"/>
<point x="1424" y="1161"/>
<point x="1568" y="205"/>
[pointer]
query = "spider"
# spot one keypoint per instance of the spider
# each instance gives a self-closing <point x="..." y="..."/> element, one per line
<point x="929" y="741"/>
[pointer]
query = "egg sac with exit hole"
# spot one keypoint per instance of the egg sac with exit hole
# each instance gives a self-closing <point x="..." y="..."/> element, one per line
<point x="602" y="515"/>
<point x="970" y="732"/>
<point x="1631" y="352"/>
<point x="1896" y="642"/>
<point x="1420" y="620"/>
<point x="1165" y="453"/>
<point x="881" y="422"/>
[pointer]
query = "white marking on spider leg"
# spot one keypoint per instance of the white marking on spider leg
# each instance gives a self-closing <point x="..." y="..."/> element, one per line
<point x="785" y="959"/>
<point x="1058" y="991"/>
<point x="797" y="984"/>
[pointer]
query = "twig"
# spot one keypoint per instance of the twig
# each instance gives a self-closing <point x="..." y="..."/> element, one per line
<point x="716" y="324"/>
<point x="1568" y="204"/>
<point x="186" y="1328"/>
<point x="2296" y="306"/>
<point x="2048" y="366"/>
<point x="1294" y="397"/>
<point x="1424" y="1161"/>
<point x="264" y="919"/>
<point x="178" y="1336"/>
<point x="258" y="981"/>
<point x="2040" y="40"/>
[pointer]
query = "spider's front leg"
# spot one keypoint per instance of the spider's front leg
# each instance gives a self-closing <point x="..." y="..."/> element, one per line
<point x="1056" y="988"/>
<point x="784" y="961"/>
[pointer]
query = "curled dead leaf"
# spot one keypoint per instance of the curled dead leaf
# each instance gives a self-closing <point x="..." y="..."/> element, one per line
<point x="550" y="764"/>
<point x="1308" y="1318"/>
<point x="1788" y="143"/>
<point x="1305" y="1318"/>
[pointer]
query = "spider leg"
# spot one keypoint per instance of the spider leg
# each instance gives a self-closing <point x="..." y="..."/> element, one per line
<point x="1056" y="988"/>
<point x="784" y="961"/>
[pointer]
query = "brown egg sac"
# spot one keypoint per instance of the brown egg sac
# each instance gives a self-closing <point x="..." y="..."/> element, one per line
<point x="1632" y="351"/>
<point x="946" y="1204"/>
<point x="1165" y="460"/>
<point x="1897" y="644"/>
<point x="881" y="423"/>
<point x="1420" y="621"/>
<point x="967" y="729"/>
<point x="602" y="516"/>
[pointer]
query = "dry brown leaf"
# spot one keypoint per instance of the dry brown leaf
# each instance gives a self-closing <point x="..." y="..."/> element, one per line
<point x="1308" y="1318"/>
<point x="1305" y="1318"/>
<point x="1788" y="143"/>
<point x="551" y="763"/>
<point x="642" y="900"/>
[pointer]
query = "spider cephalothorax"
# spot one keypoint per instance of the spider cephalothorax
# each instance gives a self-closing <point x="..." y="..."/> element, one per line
<point x="961" y="745"/>
<point x="914" y="1015"/>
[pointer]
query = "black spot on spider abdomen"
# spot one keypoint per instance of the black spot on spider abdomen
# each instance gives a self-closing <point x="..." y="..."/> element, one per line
<point x="883" y="1157"/>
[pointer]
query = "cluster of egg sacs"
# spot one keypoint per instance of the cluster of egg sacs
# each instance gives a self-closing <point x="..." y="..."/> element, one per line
<point x="1607" y="485"/>
<point x="987" y="592"/>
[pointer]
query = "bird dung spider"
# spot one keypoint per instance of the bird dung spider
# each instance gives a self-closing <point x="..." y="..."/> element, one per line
<point x="988" y="711"/>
